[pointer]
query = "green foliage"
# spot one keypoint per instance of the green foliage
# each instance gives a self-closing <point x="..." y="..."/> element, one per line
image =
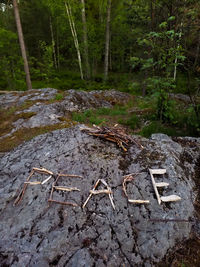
<point x="11" y="64"/>
<point x="59" y="97"/>
<point x="193" y="120"/>
<point x="158" y="127"/>
<point x="133" y="122"/>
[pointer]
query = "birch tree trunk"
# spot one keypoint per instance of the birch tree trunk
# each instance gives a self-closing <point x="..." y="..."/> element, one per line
<point x="107" y="41"/>
<point x="53" y="44"/>
<point x="85" y="40"/>
<point x="73" y="30"/>
<point x="22" y="45"/>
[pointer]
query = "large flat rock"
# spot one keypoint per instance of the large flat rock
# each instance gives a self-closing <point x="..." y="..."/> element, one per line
<point x="35" y="233"/>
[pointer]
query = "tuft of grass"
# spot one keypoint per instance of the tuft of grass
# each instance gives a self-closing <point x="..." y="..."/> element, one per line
<point x="59" y="97"/>
<point x="80" y="117"/>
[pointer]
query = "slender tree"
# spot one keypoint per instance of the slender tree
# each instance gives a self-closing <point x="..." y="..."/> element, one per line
<point x="107" y="41"/>
<point x="85" y="40"/>
<point x="22" y="45"/>
<point x="74" y="34"/>
<point x="53" y="44"/>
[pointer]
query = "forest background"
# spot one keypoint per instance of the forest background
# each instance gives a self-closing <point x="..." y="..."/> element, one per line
<point x="148" y="48"/>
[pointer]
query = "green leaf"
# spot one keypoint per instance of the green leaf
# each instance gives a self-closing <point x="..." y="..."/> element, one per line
<point x="171" y="18"/>
<point x="163" y="24"/>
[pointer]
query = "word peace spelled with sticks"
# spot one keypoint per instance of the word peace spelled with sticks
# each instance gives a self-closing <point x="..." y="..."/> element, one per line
<point x="94" y="191"/>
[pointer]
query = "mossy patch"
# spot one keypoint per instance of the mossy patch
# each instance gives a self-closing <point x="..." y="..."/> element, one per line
<point x="26" y="134"/>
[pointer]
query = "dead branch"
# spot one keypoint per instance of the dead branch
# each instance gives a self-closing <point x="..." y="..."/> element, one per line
<point x="114" y="134"/>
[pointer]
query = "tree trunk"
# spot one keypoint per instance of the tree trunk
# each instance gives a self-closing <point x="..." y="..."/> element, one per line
<point x="152" y="10"/>
<point x="73" y="30"/>
<point x="107" y="41"/>
<point x="22" y="45"/>
<point x="53" y="44"/>
<point x="57" y="45"/>
<point x="197" y="51"/>
<point x="85" y="40"/>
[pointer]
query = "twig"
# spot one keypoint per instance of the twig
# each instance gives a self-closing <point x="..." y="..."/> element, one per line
<point x="138" y="201"/>
<point x="110" y="194"/>
<point x="42" y="170"/>
<point x="113" y="134"/>
<point x="22" y="192"/>
<point x="69" y="175"/>
<point x="85" y="203"/>
<point x="68" y="189"/>
<point x="63" y="203"/>
<point x="127" y="178"/>
<point x="63" y="188"/>
<point x="33" y="183"/>
<point x="46" y="180"/>
<point x="102" y="191"/>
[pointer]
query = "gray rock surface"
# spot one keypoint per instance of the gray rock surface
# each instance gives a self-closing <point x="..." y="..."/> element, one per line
<point x="37" y="234"/>
<point x="49" y="114"/>
<point x="18" y="98"/>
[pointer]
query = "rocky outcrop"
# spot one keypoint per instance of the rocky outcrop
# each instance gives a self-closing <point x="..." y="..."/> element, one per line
<point x="37" y="234"/>
<point x="45" y="114"/>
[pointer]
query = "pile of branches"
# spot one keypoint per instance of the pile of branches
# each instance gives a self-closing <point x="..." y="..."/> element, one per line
<point x="113" y="134"/>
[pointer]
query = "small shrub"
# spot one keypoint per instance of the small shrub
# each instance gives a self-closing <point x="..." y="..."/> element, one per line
<point x="59" y="97"/>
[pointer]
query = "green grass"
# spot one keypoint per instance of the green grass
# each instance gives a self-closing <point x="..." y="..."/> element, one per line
<point x="158" y="127"/>
<point x="133" y="122"/>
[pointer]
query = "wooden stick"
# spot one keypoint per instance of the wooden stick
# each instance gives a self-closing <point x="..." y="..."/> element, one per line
<point x="110" y="194"/>
<point x="102" y="191"/>
<point x="85" y="203"/>
<point x="68" y="189"/>
<point x="22" y="192"/>
<point x="69" y="175"/>
<point x="63" y="203"/>
<point x="127" y="178"/>
<point x="52" y="188"/>
<point x="111" y="200"/>
<point x="138" y="201"/>
<point x="33" y="183"/>
<point x="46" y="180"/>
<point x="42" y="170"/>
<point x="154" y="185"/>
<point x="171" y="198"/>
